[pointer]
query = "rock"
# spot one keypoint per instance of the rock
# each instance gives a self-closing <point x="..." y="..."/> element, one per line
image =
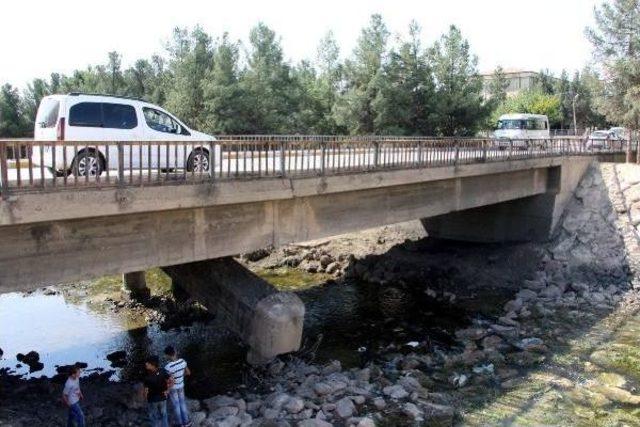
<point x="223" y="412"/>
<point x="30" y="358"/>
<point x="435" y="413"/>
<point x="345" y="407"/>
<point x="270" y="414"/>
<point x="552" y="292"/>
<point x="470" y="333"/>
<point x="379" y="403"/>
<point x="198" y="417"/>
<point x="492" y="341"/>
<point x="526" y="295"/>
<point x="332" y="268"/>
<point x="412" y="411"/>
<point x="459" y="380"/>
<point x="219" y="401"/>
<point x="395" y="392"/>
<point x="531" y="344"/>
<point x="483" y="369"/>
<point x="363" y="375"/>
<point x="334" y="366"/>
<point x="314" y="423"/>
<point x="358" y="400"/>
<point x="410" y="384"/>
<point x="257" y="255"/>
<point x="513" y="305"/>
<point x="193" y="405"/>
<point x="325" y="260"/>
<point x="116" y="356"/>
<point x="366" y="422"/>
<point x="231" y="421"/>
<point x="294" y="405"/>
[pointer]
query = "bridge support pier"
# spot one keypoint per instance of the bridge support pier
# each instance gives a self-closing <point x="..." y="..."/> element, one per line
<point x="135" y="285"/>
<point x="268" y="321"/>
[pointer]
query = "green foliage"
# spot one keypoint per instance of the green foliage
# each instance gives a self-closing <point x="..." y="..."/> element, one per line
<point x="533" y="101"/>
<point x="460" y="109"/>
<point x="616" y="46"/>
<point x="11" y="114"/>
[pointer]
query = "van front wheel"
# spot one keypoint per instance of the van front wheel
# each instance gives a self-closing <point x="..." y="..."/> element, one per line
<point x="198" y="161"/>
<point x="87" y="163"/>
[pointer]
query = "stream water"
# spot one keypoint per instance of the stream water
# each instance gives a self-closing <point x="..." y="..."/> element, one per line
<point x="344" y="321"/>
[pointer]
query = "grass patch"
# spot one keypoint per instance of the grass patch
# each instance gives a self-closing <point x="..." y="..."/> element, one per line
<point x="291" y="279"/>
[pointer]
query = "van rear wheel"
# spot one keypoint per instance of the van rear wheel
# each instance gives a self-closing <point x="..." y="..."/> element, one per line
<point x="198" y="161"/>
<point x="87" y="163"/>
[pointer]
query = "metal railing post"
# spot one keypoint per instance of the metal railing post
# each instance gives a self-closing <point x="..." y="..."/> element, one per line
<point x="212" y="160"/>
<point x="120" y="164"/>
<point x="4" y="174"/>
<point x="456" y="152"/>
<point x="510" y="149"/>
<point x="419" y="163"/>
<point x="323" y="157"/>
<point x="484" y="151"/>
<point x="376" y="154"/>
<point x="282" y="162"/>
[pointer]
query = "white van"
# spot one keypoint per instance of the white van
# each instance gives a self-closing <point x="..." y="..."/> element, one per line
<point x="521" y="127"/>
<point x="100" y="118"/>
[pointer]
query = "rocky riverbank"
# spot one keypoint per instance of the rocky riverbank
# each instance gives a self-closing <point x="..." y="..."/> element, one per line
<point x="548" y="336"/>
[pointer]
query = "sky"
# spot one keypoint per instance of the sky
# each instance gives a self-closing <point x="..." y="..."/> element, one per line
<point x="37" y="38"/>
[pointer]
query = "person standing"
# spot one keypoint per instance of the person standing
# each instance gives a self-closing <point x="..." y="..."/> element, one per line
<point x="71" y="394"/>
<point x="156" y="385"/>
<point x="177" y="368"/>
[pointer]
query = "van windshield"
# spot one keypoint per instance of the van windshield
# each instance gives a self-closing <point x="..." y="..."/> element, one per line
<point x="511" y="124"/>
<point x="47" y="116"/>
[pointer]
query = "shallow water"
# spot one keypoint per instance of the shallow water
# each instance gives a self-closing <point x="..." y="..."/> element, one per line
<point x="344" y="321"/>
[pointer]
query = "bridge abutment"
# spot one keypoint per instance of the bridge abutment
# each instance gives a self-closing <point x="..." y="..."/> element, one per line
<point x="134" y="284"/>
<point x="532" y="218"/>
<point x="268" y="321"/>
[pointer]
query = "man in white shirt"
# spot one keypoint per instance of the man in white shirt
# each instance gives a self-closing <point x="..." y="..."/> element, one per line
<point x="177" y="368"/>
<point x="72" y="396"/>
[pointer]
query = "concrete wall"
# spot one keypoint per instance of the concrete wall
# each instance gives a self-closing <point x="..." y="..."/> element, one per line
<point x="171" y="225"/>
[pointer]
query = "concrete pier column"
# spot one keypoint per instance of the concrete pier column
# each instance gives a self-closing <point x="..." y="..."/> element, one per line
<point x="268" y="321"/>
<point x="135" y="285"/>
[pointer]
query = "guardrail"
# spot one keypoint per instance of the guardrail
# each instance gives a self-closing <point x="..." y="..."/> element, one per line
<point x="59" y="165"/>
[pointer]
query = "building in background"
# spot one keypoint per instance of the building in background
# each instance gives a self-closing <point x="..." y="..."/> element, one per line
<point x="519" y="80"/>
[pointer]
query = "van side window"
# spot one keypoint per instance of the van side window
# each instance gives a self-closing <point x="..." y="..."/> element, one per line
<point x="162" y="122"/>
<point x="87" y="114"/>
<point x="119" y="116"/>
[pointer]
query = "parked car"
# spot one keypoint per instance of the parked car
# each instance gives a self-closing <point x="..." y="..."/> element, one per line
<point x="103" y="118"/>
<point x="601" y="139"/>
<point x="618" y="132"/>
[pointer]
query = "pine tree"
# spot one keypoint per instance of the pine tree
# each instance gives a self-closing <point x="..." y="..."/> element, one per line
<point x="460" y="109"/>
<point x="11" y="116"/>
<point x="224" y="99"/>
<point x="353" y="110"/>
<point x="404" y="101"/>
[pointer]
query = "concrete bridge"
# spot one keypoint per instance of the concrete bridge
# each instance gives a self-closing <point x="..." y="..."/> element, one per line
<point x="269" y="191"/>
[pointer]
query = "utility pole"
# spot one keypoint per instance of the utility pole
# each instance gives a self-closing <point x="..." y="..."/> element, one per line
<point x="575" y="123"/>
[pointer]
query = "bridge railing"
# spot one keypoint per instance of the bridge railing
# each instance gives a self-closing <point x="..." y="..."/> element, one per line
<point x="56" y="165"/>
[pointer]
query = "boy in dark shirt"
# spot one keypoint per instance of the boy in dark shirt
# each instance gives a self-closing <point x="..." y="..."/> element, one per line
<point x="156" y="386"/>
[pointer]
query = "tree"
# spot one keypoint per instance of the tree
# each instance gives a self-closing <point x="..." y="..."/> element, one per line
<point x="405" y="90"/>
<point x="532" y="101"/>
<point x="498" y="86"/>
<point x="268" y="83"/>
<point x="353" y="110"/>
<point x="616" y="48"/>
<point x="11" y="116"/>
<point x="36" y="90"/>
<point x="224" y="100"/>
<point x="191" y="59"/>
<point x="460" y="109"/>
<point x="326" y="85"/>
